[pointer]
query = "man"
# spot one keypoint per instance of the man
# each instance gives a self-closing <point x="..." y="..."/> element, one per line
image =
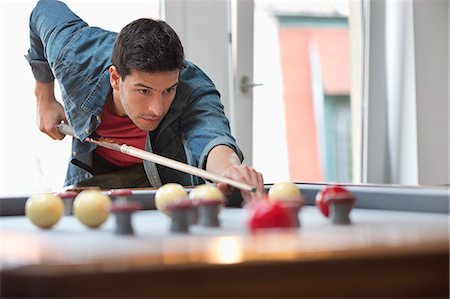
<point x="135" y="88"/>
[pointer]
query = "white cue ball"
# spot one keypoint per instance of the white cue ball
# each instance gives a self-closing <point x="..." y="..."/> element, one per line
<point x="168" y="193"/>
<point x="91" y="207"/>
<point x="44" y="210"/>
<point x="284" y="190"/>
<point x="206" y="192"/>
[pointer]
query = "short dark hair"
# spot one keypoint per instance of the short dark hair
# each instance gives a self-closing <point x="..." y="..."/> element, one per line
<point x="147" y="45"/>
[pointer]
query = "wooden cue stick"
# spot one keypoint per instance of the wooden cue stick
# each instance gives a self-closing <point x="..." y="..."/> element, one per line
<point x="145" y="155"/>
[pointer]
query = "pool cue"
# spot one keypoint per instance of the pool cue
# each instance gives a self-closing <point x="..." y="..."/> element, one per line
<point x="145" y="155"/>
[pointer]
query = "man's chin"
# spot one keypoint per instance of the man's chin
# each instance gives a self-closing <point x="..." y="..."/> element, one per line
<point x="147" y="127"/>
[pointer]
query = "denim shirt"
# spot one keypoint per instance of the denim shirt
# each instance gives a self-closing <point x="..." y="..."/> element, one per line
<point x="64" y="47"/>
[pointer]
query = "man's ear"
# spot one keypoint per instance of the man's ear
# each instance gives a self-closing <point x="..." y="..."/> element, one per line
<point x="114" y="77"/>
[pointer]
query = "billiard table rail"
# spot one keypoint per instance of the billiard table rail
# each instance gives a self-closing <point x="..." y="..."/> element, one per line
<point x="428" y="199"/>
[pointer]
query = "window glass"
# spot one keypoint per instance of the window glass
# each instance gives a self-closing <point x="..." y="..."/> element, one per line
<point x="30" y="161"/>
<point x="302" y="113"/>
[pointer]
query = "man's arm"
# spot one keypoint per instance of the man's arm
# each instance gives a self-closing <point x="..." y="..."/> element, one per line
<point x="49" y="112"/>
<point x="207" y="133"/>
<point x="224" y="161"/>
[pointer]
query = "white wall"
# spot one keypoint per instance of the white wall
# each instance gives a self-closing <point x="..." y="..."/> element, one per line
<point x="431" y="34"/>
<point x="203" y="27"/>
<point x="29" y="160"/>
<point x="406" y="92"/>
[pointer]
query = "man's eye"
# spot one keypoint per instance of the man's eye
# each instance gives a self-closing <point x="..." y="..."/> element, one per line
<point x="170" y="90"/>
<point x="144" y="91"/>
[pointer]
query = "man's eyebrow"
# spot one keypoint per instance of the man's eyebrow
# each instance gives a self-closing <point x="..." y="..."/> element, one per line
<point x="145" y="86"/>
<point x="173" y="85"/>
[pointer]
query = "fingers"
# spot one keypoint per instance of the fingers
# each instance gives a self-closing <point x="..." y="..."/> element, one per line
<point x="245" y="174"/>
<point x="253" y="177"/>
<point x="51" y="130"/>
<point x="56" y="134"/>
<point x="48" y="116"/>
<point x="225" y="188"/>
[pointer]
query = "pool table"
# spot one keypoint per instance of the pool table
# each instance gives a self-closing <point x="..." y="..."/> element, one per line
<point x="396" y="246"/>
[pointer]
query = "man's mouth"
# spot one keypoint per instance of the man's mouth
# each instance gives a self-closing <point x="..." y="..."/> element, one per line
<point x="151" y="120"/>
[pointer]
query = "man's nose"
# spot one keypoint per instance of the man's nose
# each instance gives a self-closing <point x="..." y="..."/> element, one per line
<point x="156" y="105"/>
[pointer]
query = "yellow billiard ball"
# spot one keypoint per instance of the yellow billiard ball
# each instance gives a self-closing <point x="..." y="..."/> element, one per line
<point x="44" y="210"/>
<point x="168" y="193"/>
<point x="91" y="207"/>
<point x="206" y="192"/>
<point x="284" y="190"/>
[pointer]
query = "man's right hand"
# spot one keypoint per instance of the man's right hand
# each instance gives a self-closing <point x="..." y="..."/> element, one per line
<point x="49" y="112"/>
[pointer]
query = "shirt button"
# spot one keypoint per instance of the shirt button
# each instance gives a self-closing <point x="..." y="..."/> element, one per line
<point x="74" y="154"/>
<point x="88" y="131"/>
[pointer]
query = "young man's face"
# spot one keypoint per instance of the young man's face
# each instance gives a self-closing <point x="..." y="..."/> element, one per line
<point x="146" y="97"/>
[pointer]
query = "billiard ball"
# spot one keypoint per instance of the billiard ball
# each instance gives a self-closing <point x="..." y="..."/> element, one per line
<point x="284" y="190"/>
<point x="321" y="203"/>
<point x="290" y="198"/>
<point x="209" y="201"/>
<point x="340" y="199"/>
<point x="44" y="210"/>
<point x="206" y="192"/>
<point x="168" y="193"/>
<point x="91" y="207"/>
<point x="267" y="214"/>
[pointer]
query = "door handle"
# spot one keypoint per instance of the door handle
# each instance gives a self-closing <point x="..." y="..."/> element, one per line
<point x="246" y="84"/>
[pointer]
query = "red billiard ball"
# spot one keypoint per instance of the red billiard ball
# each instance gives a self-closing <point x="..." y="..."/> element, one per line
<point x="266" y="214"/>
<point x="328" y="194"/>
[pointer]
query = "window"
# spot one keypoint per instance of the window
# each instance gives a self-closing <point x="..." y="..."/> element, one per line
<point x="30" y="161"/>
<point x="302" y="56"/>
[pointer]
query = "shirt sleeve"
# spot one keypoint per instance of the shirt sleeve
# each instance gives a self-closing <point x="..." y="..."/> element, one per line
<point x="203" y="122"/>
<point x="51" y="24"/>
<point x="40" y="69"/>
